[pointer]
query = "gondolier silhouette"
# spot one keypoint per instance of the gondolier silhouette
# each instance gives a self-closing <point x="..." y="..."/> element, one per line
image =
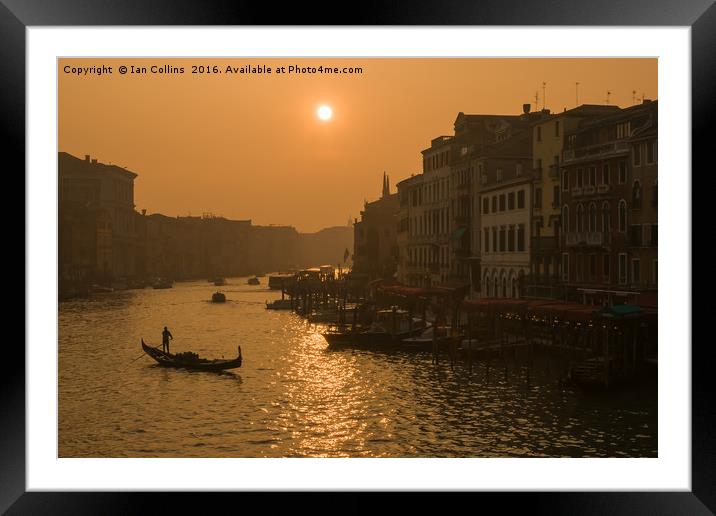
<point x="166" y="335"/>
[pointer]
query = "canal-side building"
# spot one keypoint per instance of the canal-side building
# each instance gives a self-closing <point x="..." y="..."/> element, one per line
<point x="439" y="220"/>
<point x="430" y="242"/>
<point x="412" y="268"/>
<point x="192" y="247"/>
<point x="375" y="250"/>
<point x="505" y="180"/>
<point x="97" y="237"/>
<point x="643" y="205"/>
<point x="273" y="248"/>
<point x="496" y="160"/>
<point x="605" y="163"/>
<point x="548" y="135"/>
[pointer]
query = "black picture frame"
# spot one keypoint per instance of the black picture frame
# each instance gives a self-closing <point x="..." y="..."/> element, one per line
<point x="17" y="15"/>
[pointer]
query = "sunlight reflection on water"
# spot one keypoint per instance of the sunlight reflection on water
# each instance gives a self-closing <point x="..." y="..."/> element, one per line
<point x="293" y="397"/>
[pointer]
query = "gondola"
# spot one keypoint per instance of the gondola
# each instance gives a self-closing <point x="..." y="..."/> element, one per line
<point x="190" y="360"/>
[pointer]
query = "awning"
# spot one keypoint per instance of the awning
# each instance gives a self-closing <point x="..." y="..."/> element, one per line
<point x="457" y="234"/>
<point x="620" y="311"/>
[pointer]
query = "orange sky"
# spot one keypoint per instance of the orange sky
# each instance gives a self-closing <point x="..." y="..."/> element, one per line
<point x="251" y="147"/>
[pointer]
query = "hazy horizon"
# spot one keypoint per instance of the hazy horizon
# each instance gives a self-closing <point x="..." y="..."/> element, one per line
<point x="250" y="146"/>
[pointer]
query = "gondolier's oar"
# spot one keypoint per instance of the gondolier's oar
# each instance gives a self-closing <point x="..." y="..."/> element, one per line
<point x="140" y="356"/>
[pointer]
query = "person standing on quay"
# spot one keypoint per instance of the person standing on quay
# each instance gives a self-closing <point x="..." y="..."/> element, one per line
<point x="166" y="335"/>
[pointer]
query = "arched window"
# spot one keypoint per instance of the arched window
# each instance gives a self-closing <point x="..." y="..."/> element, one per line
<point x="622" y="216"/>
<point x="580" y="218"/>
<point x="655" y="194"/>
<point x="494" y="285"/>
<point x="565" y="218"/>
<point x="504" y="286"/>
<point x="606" y="220"/>
<point x="592" y="217"/>
<point x="521" y="281"/>
<point x="636" y="195"/>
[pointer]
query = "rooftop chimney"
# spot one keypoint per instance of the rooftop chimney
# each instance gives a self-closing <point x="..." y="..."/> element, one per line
<point x="526" y="108"/>
<point x="87" y="158"/>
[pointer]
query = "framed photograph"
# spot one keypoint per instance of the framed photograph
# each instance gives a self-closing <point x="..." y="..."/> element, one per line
<point x="416" y="254"/>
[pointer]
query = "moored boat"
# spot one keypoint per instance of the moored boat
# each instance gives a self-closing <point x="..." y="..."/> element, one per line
<point x="100" y="289"/>
<point x="281" y="281"/>
<point x="279" y="304"/>
<point x="426" y="340"/>
<point x="189" y="360"/>
<point x="254" y="281"/>
<point x="388" y="331"/>
<point x="219" y="282"/>
<point x="163" y="283"/>
<point x="218" y="297"/>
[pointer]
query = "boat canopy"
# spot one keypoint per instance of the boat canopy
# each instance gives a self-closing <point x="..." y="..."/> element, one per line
<point x="620" y="311"/>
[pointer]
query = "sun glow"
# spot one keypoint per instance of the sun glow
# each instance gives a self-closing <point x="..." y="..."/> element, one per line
<point x="325" y="112"/>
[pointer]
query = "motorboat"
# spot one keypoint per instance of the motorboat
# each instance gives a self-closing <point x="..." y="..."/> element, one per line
<point x="279" y="304"/>
<point x="163" y="283"/>
<point x="387" y="331"/>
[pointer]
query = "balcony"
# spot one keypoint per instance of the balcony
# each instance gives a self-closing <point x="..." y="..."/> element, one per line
<point x="461" y="252"/>
<point x="554" y="172"/>
<point x="585" y="238"/>
<point x="537" y="173"/>
<point x="576" y="191"/>
<point x="595" y="238"/>
<point x="599" y="151"/>
<point x="416" y="269"/>
<point x="589" y="190"/>
<point x="422" y="239"/>
<point x="602" y="189"/>
<point x="466" y="186"/>
<point x="462" y="219"/>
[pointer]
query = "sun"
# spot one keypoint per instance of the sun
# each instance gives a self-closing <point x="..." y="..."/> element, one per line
<point x="324" y="112"/>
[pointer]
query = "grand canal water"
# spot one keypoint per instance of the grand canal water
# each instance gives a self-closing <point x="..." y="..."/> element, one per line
<point x="293" y="397"/>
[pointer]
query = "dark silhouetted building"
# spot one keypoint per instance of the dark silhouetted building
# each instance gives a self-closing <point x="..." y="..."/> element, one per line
<point x="375" y="244"/>
<point x="609" y="206"/>
<point x="97" y="237"/>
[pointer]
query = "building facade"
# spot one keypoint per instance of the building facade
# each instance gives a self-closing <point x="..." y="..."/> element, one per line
<point x="97" y="236"/>
<point x="273" y="248"/>
<point x="548" y="136"/>
<point x="412" y="266"/>
<point x="505" y="199"/>
<point x="192" y="247"/>
<point x="375" y="250"/>
<point x="609" y="244"/>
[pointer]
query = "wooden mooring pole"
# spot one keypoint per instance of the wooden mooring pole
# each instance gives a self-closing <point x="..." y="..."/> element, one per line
<point x="469" y="341"/>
